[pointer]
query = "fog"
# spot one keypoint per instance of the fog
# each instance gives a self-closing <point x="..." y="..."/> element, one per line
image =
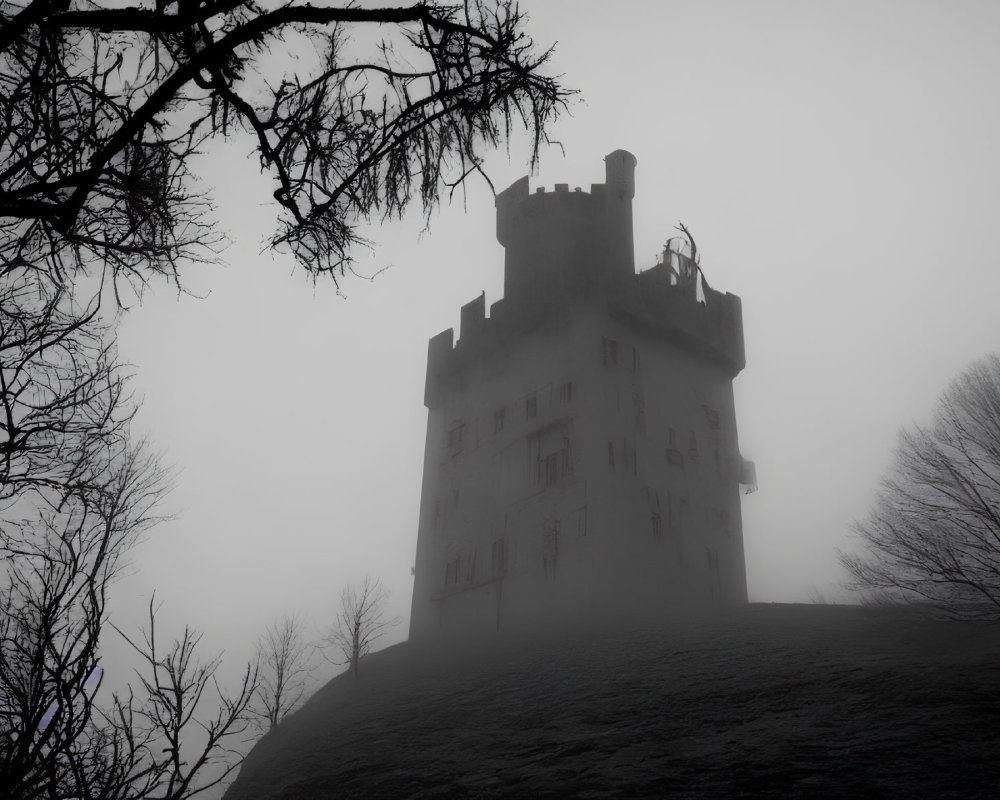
<point x="837" y="165"/>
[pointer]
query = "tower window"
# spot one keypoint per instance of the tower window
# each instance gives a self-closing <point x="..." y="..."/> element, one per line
<point x="609" y="351"/>
<point x="550" y="547"/>
<point x="455" y="437"/>
<point x="566" y="392"/>
<point x="531" y="407"/>
<point x="498" y="420"/>
<point x="712" y="416"/>
<point x="499" y="557"/>
<point x="551" y="469"/>
<point x="656" y="523"/>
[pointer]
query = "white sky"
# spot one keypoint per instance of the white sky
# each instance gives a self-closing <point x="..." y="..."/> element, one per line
<point x="839" y="166"/>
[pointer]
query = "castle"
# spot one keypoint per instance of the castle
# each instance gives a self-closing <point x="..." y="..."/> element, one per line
<point x="581" y="440"/>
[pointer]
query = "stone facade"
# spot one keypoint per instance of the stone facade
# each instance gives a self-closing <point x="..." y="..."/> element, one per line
<point x="581" y="445"/>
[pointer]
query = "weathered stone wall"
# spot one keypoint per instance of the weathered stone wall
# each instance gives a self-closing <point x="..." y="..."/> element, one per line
<point x="581" y="449"/>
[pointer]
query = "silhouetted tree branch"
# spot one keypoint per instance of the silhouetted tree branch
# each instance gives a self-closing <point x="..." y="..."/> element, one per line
<point x="105" y="106"/>
<point x="934" y="531"/>
<point x="170" y="750"/>
<point x="59" y="556"/>
<point x="63" y="395"/>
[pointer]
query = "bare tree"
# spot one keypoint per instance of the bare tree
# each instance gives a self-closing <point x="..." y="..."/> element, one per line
<point x="75" y="496"/>
<point x="166" y="749"/>
<point x="104" y="106"/>
<point x="934" y="531"/>
<point x="59" y="554"/>
<point x="360" y="622"/>
<point x="283" y="656"/>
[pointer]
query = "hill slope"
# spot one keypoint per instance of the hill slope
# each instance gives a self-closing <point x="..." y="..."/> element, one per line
<point x="782" y="700"/>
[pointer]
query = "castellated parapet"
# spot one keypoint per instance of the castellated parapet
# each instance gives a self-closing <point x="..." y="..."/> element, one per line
<point x="581" y="442"/>
<point x="567" y="247"/>
<point x="562" y="241"/>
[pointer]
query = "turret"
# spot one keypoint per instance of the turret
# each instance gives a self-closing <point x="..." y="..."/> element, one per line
<point x="561" y="242"/>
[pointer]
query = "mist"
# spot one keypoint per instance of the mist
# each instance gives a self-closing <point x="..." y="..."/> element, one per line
<point x="837" y="165"/>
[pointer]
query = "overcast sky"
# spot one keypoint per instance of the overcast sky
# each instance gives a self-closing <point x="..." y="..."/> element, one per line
<point x="839" y="166"/>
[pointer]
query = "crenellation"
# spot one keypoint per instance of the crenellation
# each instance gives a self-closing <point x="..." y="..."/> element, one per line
<point x="473" y="321"/>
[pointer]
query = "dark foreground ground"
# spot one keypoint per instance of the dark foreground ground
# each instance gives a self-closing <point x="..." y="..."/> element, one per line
<point x="768" y="700"/>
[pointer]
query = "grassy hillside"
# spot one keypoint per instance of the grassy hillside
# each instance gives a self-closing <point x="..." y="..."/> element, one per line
<point x="779" y="700"/>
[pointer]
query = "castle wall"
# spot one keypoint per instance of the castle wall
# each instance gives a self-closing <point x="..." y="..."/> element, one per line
<point x="581" y="451"/>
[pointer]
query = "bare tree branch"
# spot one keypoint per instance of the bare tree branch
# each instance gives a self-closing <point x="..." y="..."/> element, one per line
<point x="104" y="108"/>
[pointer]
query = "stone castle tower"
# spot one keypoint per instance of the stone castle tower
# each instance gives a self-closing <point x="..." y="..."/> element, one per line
<point x="581" y="440"/>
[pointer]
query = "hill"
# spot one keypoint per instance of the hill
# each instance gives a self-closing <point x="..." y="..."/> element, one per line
<point x="765" y="700"/>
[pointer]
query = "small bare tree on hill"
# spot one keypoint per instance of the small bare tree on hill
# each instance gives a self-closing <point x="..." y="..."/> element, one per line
<point x="934" y="531"/>
<point x="360" y="622"/>
<point x="283" y="656"/>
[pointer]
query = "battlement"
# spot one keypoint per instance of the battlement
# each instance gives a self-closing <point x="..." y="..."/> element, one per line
<point x="652" y="303"/>
<point x="563" y="242"/>
<point x="564" y="248"/>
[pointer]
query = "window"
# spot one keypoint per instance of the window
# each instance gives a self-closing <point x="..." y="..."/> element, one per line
<point x="566" y="392"/>
<point x="635" y="360"/>
<point x="451" y="573"/>
<point x="550" y="547"/>
<point x="692" y="446"/>
<point x="712" y="416"/>
<point x="499" y="559"/>
<point x="672" y="439"/>
<point x="611" y="453"/>
<point x="531" y="407"/>
<point x="564" y="463"/>
<point x="455" y="437"/>
<point x="656" y="522"/>
<point x="498" y="420"/>
<point x="551" y="469"/>
<point x="609" y="351"/>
